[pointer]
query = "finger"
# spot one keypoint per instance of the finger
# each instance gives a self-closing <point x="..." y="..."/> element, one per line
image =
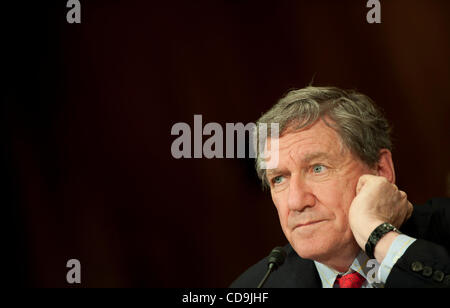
<point x="407" y="210"/>
<point x="363" y="179"/>
<point x="410" y="210"/>
<point x="403" y="194"/>
<point x="400" y="196"/>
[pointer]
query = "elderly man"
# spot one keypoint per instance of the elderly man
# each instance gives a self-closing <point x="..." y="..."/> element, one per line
<point x="347" y="223"/>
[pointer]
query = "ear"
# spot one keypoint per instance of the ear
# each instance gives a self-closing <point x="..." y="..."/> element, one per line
<point x="385" y="166"/>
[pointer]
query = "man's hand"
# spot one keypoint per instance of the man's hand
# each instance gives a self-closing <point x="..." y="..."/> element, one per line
<point x="377" y="201"/>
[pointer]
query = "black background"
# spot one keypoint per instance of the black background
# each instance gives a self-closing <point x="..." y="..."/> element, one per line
<point x="87" y="111"/>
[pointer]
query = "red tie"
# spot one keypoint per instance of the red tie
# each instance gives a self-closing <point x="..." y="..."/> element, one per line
<point x="352" y="280"/>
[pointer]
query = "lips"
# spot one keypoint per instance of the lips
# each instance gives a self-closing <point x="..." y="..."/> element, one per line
<point x="309" y="223"/>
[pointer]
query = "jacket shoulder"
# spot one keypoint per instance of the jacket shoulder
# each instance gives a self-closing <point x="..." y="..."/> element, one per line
<point x="430" y="221"/>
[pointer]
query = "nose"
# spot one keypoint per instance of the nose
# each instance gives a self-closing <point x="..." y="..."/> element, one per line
<point x="300" y="194"/>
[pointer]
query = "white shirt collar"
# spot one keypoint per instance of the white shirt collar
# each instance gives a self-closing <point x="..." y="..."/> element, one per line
<point x="328" y="275"/>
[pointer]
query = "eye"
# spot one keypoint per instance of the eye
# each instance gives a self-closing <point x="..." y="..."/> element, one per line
<point x="318" y="169"/>
<point x="277" y="180"/>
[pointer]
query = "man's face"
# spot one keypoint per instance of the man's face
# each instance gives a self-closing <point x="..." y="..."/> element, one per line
<point x="312" y="189"/>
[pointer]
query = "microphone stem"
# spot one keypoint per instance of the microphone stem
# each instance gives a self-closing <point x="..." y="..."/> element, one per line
<point x="263" y="281"/>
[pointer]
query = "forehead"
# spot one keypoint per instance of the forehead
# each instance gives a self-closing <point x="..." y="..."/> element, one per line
<point x="306" y="143"/>
<point x="319" y="133"/>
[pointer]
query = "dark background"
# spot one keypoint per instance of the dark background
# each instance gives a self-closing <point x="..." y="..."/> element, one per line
<point x="87" y="111"/>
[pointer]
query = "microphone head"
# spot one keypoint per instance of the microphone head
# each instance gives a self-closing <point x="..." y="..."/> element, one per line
<point x="277" y="257"/>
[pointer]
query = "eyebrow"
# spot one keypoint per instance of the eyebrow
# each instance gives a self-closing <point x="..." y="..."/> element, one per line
<point x="305" y="160"/>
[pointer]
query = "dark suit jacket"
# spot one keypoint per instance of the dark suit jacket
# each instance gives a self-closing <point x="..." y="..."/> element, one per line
<point x="426" y="263"/>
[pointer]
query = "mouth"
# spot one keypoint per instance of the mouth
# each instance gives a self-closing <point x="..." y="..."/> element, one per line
<point x="307" y="224"/>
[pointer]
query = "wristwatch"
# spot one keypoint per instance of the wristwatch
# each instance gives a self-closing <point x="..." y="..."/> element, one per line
<point x="376" y="236"/>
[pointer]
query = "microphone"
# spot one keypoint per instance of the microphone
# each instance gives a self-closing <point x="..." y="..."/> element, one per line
<point x="276" y="259"/>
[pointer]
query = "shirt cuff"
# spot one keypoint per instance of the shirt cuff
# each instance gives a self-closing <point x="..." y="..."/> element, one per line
<point x="396" y="250"/>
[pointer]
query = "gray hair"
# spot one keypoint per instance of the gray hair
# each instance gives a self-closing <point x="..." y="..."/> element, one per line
<point x="358" y="121"/>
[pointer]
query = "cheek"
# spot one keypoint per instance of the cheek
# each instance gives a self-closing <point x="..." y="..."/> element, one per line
<point x="283" y="211"/>
<point x="336" y="199"/>
<point x="329" y="194"/>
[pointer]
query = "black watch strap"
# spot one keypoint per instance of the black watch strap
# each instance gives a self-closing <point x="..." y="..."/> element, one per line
<point x="376" y="235"/>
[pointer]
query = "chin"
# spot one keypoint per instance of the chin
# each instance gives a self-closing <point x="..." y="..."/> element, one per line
<point x="310" y="254"/>
<point x="312" y="248"/>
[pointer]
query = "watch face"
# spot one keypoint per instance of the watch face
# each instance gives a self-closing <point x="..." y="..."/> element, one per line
<point x="376" y="235"/>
